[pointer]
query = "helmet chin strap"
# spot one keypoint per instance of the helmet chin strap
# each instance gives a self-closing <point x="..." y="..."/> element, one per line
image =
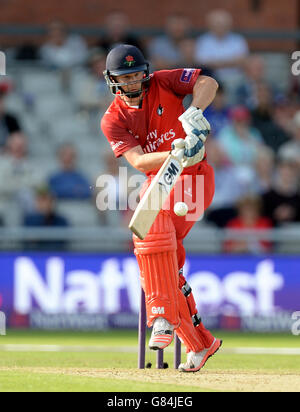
<point x="131" y="95"/>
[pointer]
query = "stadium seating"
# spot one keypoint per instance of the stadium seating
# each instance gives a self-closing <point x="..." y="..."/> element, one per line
<point x="45" y="102"/>
<point x="79" y="213"/>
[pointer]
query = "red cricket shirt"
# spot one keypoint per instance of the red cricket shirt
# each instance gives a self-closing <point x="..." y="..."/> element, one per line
<point x="155" y="125"/>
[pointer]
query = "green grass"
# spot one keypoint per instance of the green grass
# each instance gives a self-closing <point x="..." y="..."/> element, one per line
<point x="129" y="338"/>
<point x="24" y="382"/>
<point x="86" y="370"/>
<point x="37" y="337"/>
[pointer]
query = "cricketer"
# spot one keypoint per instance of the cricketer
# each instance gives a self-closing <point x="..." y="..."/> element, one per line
<point x="143" y="124"/>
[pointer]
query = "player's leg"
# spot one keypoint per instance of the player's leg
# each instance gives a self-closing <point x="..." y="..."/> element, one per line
<point x="204" y="334"/>
<point x="186" y="331"/>
<point x="157" y="259"/>
<point x="204" y="189"/>
<point x="197" y="359"/>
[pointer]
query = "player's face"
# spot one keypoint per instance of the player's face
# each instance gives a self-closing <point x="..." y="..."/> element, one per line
<point x="134" y="84"/>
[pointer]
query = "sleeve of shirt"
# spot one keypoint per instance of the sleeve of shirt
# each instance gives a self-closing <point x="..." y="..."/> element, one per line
<point x="119" y="138"/>
<point x="180" y="81"/>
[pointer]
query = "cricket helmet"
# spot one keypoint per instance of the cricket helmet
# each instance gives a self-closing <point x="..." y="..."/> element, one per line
<point x="125" y="59"/>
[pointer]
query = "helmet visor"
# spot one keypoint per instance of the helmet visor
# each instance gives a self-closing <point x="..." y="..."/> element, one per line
<point x="120" y="72"/>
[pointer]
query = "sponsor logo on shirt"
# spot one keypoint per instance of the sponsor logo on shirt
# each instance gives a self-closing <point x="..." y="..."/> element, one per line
<point x="187" y="75"/>
<point x="154" y="140"/>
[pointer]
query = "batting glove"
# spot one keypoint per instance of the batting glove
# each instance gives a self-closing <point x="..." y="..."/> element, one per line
<point x="194" y="123"/>
<point x="188" y="151"/>
<point x="194" y="151"/>
<point x="178" y="148"/>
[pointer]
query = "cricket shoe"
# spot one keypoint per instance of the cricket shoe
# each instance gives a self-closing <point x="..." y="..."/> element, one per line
<point x="196" y="360"/>
<point x="162" y="334"/>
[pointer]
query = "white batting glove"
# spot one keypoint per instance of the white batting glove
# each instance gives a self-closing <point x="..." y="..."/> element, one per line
<point x="178" y="148"/>
<point x="188" y="151"/>
<point x="194" y="151"/>
<point x="194" y="123"/>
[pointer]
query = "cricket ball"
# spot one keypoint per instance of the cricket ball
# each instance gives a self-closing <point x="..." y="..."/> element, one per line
<point x="180" y="209"/>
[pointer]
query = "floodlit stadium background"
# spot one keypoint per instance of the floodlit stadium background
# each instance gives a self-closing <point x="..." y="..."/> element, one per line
<point x="66" y="264"/>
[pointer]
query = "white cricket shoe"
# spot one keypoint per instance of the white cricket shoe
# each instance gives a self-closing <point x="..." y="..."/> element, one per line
<point x="162" y="334"/>
<point x="196" y="360"/>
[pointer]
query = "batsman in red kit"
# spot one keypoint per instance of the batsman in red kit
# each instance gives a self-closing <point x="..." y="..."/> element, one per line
<point x="144" y="123"/>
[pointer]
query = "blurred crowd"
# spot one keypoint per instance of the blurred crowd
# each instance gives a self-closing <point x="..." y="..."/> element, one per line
<point x="254" y="145"/>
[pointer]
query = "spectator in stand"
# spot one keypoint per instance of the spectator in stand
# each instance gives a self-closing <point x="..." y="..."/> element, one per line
<point x="221" y="50"/>
<point x="45" y="216"/>
<point x="282" y="202"/>
<point x="293" y="92"/>
<point x="8" y="122"/>
<point x="18" y="173"/>
<point x="290" y="151"/>
<point x="264" y="169"/>
<point x="186" y="47"/>
<point x="90" y="89"/>
<point x="218" y="112"/>
<point x="284" y="111"/>
<point x="233" y="183"/>
<point x="254" y="75"/>
<point x="187" y="50"/>
<point x="61" y="49"/>
<point x="169" y="49"/>
<point x="229" y="187"/>
<point x="26" y="51"/>
<point x="263" y="119"/>
<point x="240" y="141"/>
<point x="118" y="31"/>
<point x="249" y="218"/>
<point x="69" y="183"/>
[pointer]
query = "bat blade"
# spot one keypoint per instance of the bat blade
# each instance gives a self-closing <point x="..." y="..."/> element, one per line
<point x="155" y="197"/>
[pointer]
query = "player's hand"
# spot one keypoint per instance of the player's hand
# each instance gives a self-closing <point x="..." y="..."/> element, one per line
<point x="178" y="148"/>
<point x="194" y="123"/>
<point x="194" y="151"/>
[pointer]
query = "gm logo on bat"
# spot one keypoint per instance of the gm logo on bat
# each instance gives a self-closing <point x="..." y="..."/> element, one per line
<point x="171" y="174"/>
<point x="2" y="64"/>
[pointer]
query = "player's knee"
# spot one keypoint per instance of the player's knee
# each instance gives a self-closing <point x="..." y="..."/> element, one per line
<point x="161" y="237"/>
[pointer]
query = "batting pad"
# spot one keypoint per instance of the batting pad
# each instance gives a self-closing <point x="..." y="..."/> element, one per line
<point x="157" y="260"/>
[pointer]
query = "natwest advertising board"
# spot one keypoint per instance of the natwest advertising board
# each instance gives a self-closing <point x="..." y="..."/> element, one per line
<point x="100" y="291"/>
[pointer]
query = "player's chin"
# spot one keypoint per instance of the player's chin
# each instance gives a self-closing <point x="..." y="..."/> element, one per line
<point x="133" y="100"/>
<point x="136" y="94"/>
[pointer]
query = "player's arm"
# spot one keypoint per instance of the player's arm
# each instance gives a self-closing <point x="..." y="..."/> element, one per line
<point x="193" y="121"/>
<point x="144" y="162"/>
<point x="187" y="151"/>
<point x="204" y="92"/>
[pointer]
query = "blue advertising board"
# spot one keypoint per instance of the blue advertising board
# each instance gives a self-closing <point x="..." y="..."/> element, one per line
<point x="103" y="290"/>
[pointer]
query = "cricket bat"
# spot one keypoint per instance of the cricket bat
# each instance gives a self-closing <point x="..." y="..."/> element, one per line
<point x="155" y="196"/>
